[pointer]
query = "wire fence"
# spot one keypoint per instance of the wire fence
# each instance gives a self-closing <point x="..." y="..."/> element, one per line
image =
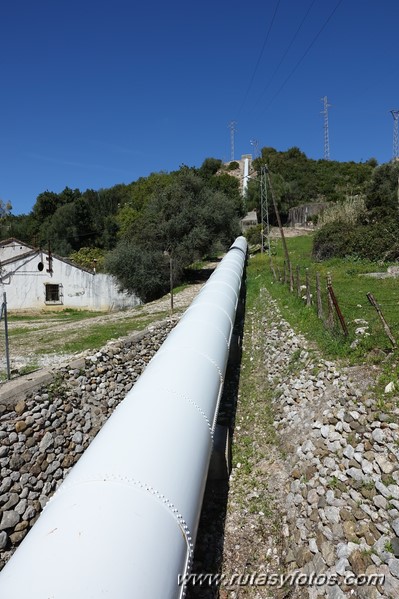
<point x="358" y="316"/>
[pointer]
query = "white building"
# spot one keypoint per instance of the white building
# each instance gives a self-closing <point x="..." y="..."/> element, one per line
<point x="35" y="279"/>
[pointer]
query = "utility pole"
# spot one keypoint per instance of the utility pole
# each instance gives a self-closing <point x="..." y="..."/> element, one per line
<point x="232" y="127"/>
<point x="280" y="226"/>
<point x="326" y="105"/>
<point x="264" y="209"/>
<point x="395" y="152"/>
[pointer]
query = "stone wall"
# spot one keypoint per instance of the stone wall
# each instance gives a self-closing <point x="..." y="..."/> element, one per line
<point x="46" y="432"/>
<point x="302" y="215"/>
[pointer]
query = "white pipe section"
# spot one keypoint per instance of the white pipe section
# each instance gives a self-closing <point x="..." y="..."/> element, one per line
<point x="123" y="523"/>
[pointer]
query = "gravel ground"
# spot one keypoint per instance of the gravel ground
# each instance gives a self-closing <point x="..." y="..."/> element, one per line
<point x="318" y="499"/>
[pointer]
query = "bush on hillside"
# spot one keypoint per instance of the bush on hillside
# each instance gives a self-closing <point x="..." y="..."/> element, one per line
<point x="333" y="240"/>
<point x="368" y="231"/>
<point x="254" y="235"/>
<point x="340" y="239"/>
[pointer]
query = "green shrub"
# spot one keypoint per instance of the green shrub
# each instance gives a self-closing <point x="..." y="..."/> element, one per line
<point x="333" y="240"/>
<point x="370" y="241"/>
<point x="254" y="235"/>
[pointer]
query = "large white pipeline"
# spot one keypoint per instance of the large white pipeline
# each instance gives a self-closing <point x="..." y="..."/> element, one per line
<point x="246" y="176"/>
<point x="123" y="523"/>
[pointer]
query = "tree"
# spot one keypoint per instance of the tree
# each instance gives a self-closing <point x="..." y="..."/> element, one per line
<point x="5" y="208"/>
<point x="70" y="227"/>
<point x="145" y="273"/>
<point x="373" y="235"/>
<point x="45" y="206"/>
<point x="382" y="197"/>
<point x="90" y="258"/>
<point x="210" y="167"/>
<point x="308" y="180"/>
<point x="185" y="219"/>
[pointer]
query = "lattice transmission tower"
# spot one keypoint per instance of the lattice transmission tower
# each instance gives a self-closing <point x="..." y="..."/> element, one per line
<point x="324" y="112"/>
<point x="395" y="151"/>
<point x="264" y="210"/>
<point x="232" y="127"/>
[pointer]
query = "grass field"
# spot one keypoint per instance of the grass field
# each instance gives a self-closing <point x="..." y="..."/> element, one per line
<point x="350" y="287"/>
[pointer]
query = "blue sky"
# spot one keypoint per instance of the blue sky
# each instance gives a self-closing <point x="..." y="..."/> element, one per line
<point x="99" y="93"/>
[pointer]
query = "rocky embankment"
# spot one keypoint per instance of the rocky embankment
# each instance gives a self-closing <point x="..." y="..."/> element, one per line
<point x="334" y="476"/>
<point x="45" y="433"/>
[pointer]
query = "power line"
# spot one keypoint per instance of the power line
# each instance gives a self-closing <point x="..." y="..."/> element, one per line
<point x="286" y="52"/>
<point x="259" y="57"/>
<point x="305" y="53"/>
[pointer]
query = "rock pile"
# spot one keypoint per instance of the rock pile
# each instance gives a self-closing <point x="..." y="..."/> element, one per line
<point x="342" y="501"/>
<point x="45" y="434"/>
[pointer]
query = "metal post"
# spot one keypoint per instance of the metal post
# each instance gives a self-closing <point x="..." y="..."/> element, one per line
<point x="4" y="309"/>
<point x="264" y="210"/>
<point x="330" y="315"/>
<point x="171" y="281"/>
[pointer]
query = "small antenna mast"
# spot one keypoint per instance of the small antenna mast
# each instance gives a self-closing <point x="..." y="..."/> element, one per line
<point x="255" y="144"/>
<point x="232" y="127"/>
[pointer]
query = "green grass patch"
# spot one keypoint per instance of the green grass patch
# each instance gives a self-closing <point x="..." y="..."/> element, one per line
<point x="66" y="315"/>
<point x="28" y="368"/>
<point x="98" y="335"/>
<point x="14" y="332"/>
<point x="179" y="288"/>
<point x="350" y="287"/>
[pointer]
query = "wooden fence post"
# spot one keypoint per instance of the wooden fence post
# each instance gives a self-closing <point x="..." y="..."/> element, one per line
<point x="308" y="298"/>
<point x="273" y="270"/>
<point x="387" y="330"/>
<point x="298" y="281"/>
<point x="318" y="292"/>
<point x="337" y="308"/>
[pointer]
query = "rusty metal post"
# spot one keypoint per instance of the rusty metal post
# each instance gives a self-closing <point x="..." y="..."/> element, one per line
<point x="330" y="313"/>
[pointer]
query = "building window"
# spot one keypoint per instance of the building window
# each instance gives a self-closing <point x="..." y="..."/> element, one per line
<point x="53" y="294"/>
